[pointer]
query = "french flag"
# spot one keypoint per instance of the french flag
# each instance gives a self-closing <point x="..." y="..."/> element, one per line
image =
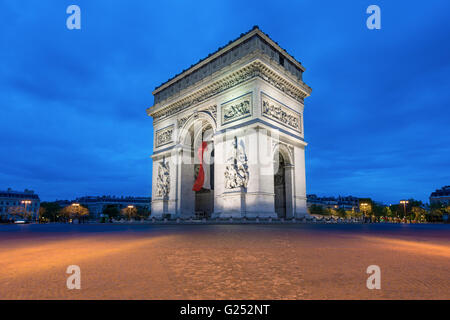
<point x="203" y="178"/>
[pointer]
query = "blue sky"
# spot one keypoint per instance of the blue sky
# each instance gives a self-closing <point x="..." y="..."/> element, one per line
<point x="73" y="102"/>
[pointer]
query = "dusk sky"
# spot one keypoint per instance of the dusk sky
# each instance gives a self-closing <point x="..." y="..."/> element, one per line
<point x="73" y="102"/>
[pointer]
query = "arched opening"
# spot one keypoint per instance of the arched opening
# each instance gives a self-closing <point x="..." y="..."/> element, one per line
<point x="196" y="141"/>
<point x="204" y="195"/>
<point x="279" y="182"/>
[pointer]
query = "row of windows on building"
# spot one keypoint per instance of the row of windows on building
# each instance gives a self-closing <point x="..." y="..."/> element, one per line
<point x="10" y="208"/>
<point x="17" y="203"/>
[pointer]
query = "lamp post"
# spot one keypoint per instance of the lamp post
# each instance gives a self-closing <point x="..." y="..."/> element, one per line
<point x="129" y="208"/>
<point x="75" y="206"/>
<point x="404" y="202"/>
<point x="26" y="203"/>
<point x="364" y="206"/>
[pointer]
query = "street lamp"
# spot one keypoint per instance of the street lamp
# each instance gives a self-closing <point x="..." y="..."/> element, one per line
<point x="26" y="203"/>
<point x="129" y="211"/>
<point x="404" y="202"/>
<point x="364" y="206"/>
<point x="76" y="207"/>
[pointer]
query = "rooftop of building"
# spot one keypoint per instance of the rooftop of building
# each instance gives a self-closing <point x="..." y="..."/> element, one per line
<point x="10" y="193"/>
<point x="444" y="191"/>
<point x="293" y="65"/>
<point x="108" y="198"/>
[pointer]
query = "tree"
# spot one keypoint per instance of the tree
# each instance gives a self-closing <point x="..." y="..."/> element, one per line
<point x="143" y="212"/>
<point x="49" y="211"/>
<point x="112" y="211"/>
<point x="129" y="212"/>
<point x="365" y="206"/>
<point x="397" y="210"/>
<point x="18" y="212"/>
<point x="414" y="203"/>
<point x="75" y="211"/>
<point x="331" y="212"/>
<point x="387" y="212"/>
<point x="418" y="213"/>
<point x="377" y="210"/>
<point x="436" y="212"/>
<point x="341" y="212"/>
<point x="316" y="209"/>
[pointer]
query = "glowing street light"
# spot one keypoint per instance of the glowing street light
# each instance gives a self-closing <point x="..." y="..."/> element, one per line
<point x="404" y="202"/>
<point x="364" y="207"/>
<point x="128" y="211"/>
<point x="26" y="203"/>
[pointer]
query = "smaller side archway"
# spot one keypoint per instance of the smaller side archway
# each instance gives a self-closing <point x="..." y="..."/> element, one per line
<point x="283" y="182"/>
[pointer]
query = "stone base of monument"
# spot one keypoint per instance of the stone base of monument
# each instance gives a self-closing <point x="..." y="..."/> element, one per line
<point x="162" y="208"/>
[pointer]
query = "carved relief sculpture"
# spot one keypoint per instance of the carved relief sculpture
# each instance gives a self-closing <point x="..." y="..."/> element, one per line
<point x="213" y="111"/>
<point x="163" y="179"/>
<point x="236" y="171"/>
<point x="182" y="121"/>
<point x="164" y="136"/>
<point x="276" y="111"/>
<point x="256" y="69"/>
<point x="237" y="109"/>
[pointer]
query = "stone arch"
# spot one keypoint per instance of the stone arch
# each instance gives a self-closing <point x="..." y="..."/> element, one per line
<point x="186" y="129"/>
<point x="285" y="151"/>
<point x="284" y="181"/>
<point x="199" y="127"/>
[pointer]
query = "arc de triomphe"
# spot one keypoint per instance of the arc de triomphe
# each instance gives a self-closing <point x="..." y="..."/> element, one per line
<point x="228" y="135"/>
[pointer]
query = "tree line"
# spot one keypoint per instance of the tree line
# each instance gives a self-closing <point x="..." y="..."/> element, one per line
<point x="412" y="210"/>
<point x="53" y="212"/>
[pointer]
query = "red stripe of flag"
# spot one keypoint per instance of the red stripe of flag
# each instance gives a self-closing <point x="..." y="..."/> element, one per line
<point x="198" y="184"/>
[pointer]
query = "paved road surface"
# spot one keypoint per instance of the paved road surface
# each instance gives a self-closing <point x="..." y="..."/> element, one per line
<point x="225" y="262"/>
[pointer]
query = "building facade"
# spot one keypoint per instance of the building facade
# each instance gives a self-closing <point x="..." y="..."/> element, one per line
<point x="229" y="135"/>
<point x="441" y="196"/>
<point x="348" y="203"/>
<point x="19" y="204"/>
<point x="96" y="204"/>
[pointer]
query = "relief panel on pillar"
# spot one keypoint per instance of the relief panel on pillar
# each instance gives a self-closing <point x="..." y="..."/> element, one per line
<point x="278" y="112"/>
<point x="237" y="109"/>
<point x="164" y="136"/>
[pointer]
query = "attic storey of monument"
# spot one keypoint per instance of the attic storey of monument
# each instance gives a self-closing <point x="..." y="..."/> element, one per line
<point x="222" y="129"/>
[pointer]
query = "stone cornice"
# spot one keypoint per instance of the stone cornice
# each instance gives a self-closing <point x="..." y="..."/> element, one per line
<point x="230" y="46"/>
<point x="257" y="68"/>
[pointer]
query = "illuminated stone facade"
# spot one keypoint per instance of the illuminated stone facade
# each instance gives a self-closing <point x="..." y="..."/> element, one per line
<point x="246" y="101"/>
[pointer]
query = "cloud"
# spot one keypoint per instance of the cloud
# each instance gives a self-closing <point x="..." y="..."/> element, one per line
<point x="73" y="116"/>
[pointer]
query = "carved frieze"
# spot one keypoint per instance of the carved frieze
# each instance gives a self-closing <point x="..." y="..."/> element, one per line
<point x="256" y="69"/>
<point x="237" y="109"/>
<point x="274" y="110"/>
<point x="182" y="121"/>
<point x="236" y="170"/>
<point x="163" y="179"/>
<point x="213" y="111"/>
<point x="164" y="136"/>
